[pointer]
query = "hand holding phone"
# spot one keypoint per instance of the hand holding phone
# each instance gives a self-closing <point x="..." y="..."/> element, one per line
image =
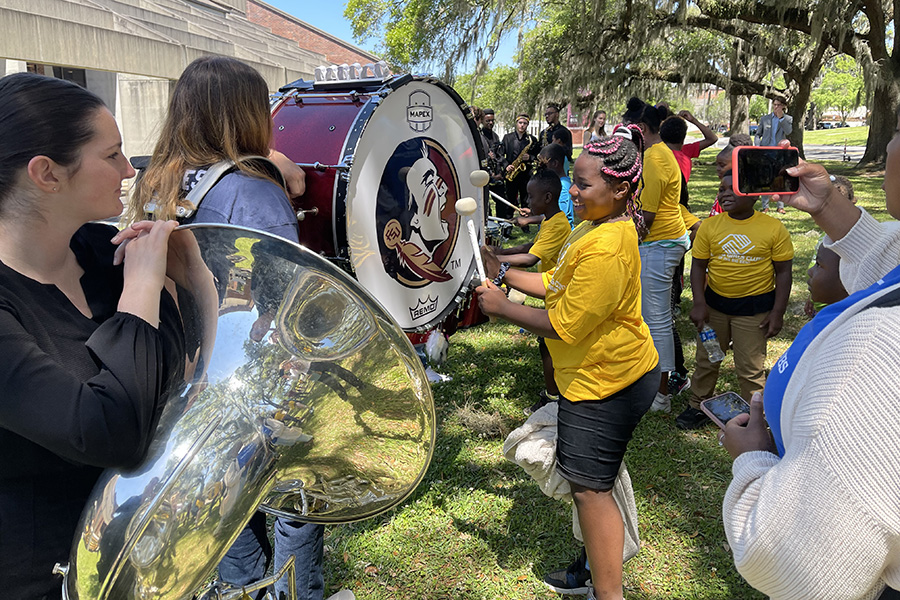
<point x="748" y="433"/>
<point x="762" y="170"/>
<point x="724" y="407"/>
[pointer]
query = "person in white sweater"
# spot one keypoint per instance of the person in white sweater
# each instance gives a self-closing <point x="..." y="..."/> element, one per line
<point x="813" y="510"/>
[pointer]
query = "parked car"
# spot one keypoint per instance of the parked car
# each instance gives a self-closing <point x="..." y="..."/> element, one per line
<point x="753" y="129"/>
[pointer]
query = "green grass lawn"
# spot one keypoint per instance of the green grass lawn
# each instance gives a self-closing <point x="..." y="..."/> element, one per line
<point x="852" y="136"/>
<point x="479" y="528"/>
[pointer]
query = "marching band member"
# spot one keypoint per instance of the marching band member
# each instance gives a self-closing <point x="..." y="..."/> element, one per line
<point x="89" y="338"/>
<point x="197" y="134"/>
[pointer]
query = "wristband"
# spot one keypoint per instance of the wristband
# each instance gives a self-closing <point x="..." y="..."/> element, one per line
<point x="504" y="267"/>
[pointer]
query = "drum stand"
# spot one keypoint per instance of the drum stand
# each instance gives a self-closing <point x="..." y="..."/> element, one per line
<point x="220" y="591"/>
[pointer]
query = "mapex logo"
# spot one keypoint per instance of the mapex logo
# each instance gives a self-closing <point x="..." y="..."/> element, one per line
<point x="737" y="244"/>
<point x="423" y="307"/>
<point x="419" y="113"/>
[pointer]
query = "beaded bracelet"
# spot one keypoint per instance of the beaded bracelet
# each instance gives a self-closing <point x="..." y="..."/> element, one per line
<point x="504" y="267"/>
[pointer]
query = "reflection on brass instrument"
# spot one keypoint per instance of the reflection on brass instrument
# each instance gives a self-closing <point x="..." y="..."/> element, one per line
<point x="304" y="399"/>
<point x="518" y="165"/>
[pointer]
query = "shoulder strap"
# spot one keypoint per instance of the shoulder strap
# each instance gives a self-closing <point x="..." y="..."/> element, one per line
<point x="892" y="298"/>
<point x="206" y="183"/>
<point x="215" y="173"/>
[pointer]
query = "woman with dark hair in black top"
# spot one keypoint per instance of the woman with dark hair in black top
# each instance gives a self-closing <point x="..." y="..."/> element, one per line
<point x="89" y="338"/>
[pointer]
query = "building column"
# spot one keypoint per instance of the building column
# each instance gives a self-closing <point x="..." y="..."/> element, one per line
<point x="12" y="66"/>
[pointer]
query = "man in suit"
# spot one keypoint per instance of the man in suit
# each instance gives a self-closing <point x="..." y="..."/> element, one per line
<point x="773" y="128"/>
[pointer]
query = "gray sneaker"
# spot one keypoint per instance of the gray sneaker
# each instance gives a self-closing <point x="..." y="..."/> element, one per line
<point x="662" y="403"/>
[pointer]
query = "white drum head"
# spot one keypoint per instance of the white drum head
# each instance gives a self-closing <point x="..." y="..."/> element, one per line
<point x="408" y="246"/>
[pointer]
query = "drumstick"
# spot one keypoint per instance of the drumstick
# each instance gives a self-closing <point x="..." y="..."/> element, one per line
<point x="500" y="198"/>
<point x="499" y="220"/>
<point x="466" y="207"/>
<point x="481" y="178"/>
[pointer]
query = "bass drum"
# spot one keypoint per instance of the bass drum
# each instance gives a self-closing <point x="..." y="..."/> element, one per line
<point x="385" y="164"/>
<point x="301" y="395"/>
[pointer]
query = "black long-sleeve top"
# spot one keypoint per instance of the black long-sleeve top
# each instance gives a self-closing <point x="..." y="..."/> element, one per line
<point x="78" y="394"/>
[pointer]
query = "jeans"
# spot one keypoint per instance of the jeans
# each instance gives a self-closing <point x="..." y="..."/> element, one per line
<point x="764" y="203"/>
<point x="248" y="559"/>
<point x="658" y="264"/>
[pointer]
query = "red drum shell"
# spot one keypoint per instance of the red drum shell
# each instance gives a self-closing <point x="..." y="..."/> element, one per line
<point x="310" y="130"/>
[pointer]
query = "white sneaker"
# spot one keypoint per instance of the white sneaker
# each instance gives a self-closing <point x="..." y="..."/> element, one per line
<point x="662" y="403"/>
<point x="435" y="377"/>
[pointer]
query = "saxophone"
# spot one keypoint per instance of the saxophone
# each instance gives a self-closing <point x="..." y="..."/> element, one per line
<point x="518" y="165"/>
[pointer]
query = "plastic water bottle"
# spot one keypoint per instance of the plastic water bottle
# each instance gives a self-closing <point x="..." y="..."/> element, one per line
<point x="711" y="342"/>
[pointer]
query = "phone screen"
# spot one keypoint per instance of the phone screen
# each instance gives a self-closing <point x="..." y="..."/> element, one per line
<point x="761" y="171"/>
<point x="724" y="407"/>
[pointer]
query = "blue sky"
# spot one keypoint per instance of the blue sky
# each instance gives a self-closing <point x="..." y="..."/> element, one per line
<point x="329" y="17"/>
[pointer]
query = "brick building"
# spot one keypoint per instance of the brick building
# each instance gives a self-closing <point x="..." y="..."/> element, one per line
<point x="336" y="50"/>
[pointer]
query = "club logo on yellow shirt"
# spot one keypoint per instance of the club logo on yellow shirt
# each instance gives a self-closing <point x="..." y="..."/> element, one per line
<point x="735" y="243"/>
<point x="736" y="249"/>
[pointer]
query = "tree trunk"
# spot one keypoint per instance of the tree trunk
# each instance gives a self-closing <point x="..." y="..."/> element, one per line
<point x="882" y="123"/>
<point x="811" y="116"/>
<point x="739" y="121"/>
<point x="797" y="109"/>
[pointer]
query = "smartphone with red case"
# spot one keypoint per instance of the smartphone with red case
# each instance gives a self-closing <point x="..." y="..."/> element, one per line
<point x="762" y="170"/>
<point x="724" y="407"/>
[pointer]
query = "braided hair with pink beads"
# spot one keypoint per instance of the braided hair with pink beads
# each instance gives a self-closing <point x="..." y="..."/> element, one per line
<point x="621" y="156"/>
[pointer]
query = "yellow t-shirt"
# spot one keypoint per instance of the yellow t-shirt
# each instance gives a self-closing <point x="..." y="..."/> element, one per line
<point x="661" y="193"/>
<point x="549" y="239"/>
<point x="594" y="301"/>
<point x="688" y="217"/>
<point x="740" y="253"/>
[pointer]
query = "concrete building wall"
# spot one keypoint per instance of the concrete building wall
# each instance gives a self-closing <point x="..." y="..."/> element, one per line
<point x="306" y="36"/>
<point x="238" y="5"/>
<point x="99" y="39"/>
<point x="141" y="108"/>
<point x="104" y="84"/>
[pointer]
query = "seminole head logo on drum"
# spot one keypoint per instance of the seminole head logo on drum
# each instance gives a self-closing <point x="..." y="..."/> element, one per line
<point x="416" y="214"/>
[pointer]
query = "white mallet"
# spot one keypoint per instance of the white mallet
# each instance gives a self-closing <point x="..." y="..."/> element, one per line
<point x="465" y="208"/>
<point x="479" y="178"/>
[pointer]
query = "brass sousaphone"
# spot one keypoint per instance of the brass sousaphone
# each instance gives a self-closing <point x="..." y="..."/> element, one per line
<point x="301" y="398"/>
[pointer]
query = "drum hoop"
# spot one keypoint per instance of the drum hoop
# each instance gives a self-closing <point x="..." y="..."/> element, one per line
<point x="479" y="149"/>
<point x="342" y="180"/>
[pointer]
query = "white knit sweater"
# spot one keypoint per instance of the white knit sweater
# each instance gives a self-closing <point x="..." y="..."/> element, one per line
<point x="824" y="521"/>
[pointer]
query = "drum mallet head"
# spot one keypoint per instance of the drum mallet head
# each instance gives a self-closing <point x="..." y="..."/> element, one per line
<point x="479" y="178"/>
<point x="466" y="207"/>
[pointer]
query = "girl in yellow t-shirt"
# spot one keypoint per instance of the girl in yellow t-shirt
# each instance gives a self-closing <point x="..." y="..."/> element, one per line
<point x="604" y="358"/>
<point x="665" y="243"/>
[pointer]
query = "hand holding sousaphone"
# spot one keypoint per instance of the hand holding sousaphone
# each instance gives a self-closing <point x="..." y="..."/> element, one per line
<point x="311" y="404"/>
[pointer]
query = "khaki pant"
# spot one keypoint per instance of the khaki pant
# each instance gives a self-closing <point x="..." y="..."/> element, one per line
<point x="749" y="346"/>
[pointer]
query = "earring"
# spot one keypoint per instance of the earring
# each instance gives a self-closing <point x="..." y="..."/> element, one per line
<point x="55" y="189"/>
